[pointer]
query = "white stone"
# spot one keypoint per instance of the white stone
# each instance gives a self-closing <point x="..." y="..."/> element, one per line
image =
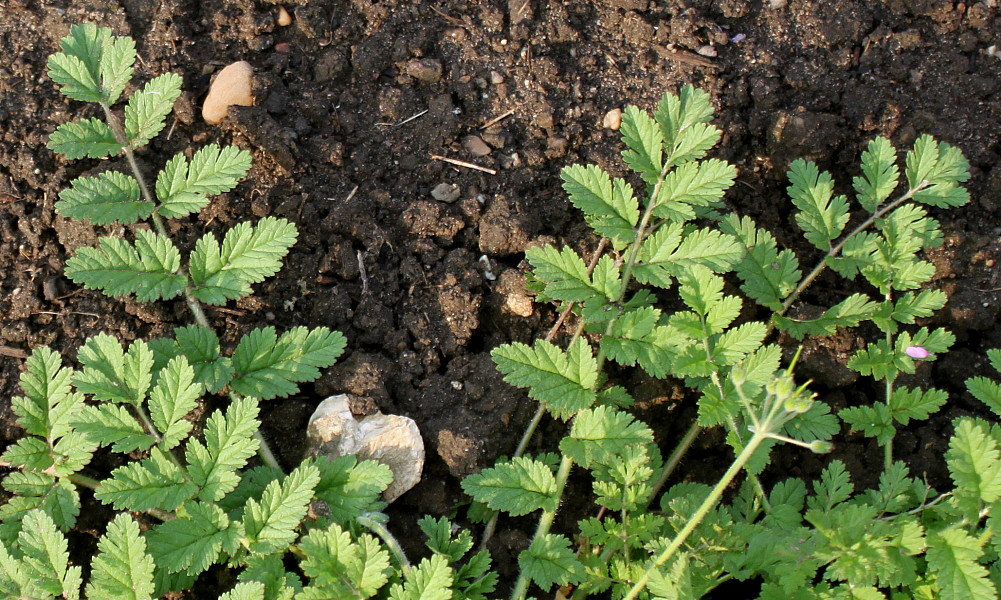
<point x="391" y="440"/>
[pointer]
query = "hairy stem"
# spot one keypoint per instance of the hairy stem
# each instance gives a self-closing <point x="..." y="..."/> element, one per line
<point x="707" y="505"/>
<point x="189" y="297"/>
<point x="545" y="522"/>
<point x="394" y="546"/>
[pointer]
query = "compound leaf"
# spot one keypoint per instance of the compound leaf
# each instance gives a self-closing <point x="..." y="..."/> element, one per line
<point x="173" y="397"/>
<point x="682" y="119"/>
<point x="768" y="276"/>
<point x="248" y="255"/>
<point x="429" y="580"/>
<point x="268" y="366"/>
<point x="192" y="542"/>
<point x="342" y="567"/>
<point x="987" y="391"/>
<point x="644" y="142"/>
<point x="873" y="421"/>
<point x="350" y="487"/>
<point x="78" y="67"/>
<point x="697" y="183"/>
<point x="608" y="205"/>
<point x="45" y="560"/>
<point x="86" y="138"/>
<point x="122" y="570"/>
<point x="149" y="269"/>
<point x="940" y="168"/>
<point x="49" y="404"/>
<point x="111" y="374"/>
<point x="518" y="487"/>
<point x="229" y="442"/>
<point x="156" y="482"/>
<point x="821" y="217"/>
<point x="270" y="523"/>
<point x="848" y="313"/>
<point x="147" y="110"/>
<point x="550" y="560"/>
<point x="601" y="434"/>
<point x="564" y="273"/>
<point x="109" y="197"/>
<point x="562" y="380"/>
<point x="880" y="174"/>
<point x="182" y="186"/>
<point x="917" y="404"/>
<point x="953" y="557"/>
<point x="200" y="346"/>
<point x="112" y="425"/>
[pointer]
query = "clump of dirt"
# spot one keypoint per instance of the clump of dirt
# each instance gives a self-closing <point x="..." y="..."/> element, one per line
<point x="355" y="102"/>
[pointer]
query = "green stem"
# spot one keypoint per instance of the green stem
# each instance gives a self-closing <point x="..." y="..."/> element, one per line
<point x="545" y="522"/>
<point x="394" y="546"/>
<point x="189" y="297"/>
<point x="675" y="459"/>
<point x="703" y="510"/>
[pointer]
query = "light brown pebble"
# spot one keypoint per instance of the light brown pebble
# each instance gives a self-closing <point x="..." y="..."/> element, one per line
<point x="496" y="78"/>
<point x="475" y="145"/>
<point x="284" y="19"/>
<point x="424" y="69"/>
<point x="232" y="86"/>
<point x="613" y="119"/>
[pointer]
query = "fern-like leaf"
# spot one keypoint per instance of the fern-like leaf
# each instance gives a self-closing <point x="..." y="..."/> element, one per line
<point x="192" y="543"/>
<point x="267" y="366"/>
<point x="182" y="186"/>
<point x="270" y="523"/>
<point x="644" y="142"/>
<point x="248" y="255"/>
<point x="147" y="110"/>
<point x="880" y="174"/>
<point x="109" y="197"/>
<point x="86" y="138"/>
<point x="822" y="216"/>
<point x="122" y="569"/>
<point x="562" y="380"/>
<point x="45" y="560"/>
<point x="149" y="269"/>
<point x="340" y="566"/>
<point x="608" y="205"/>
<point x="229" y="443"/>
<point x="518" y="487"/>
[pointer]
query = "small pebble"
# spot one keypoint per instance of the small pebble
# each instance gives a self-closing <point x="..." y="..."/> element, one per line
<point x="446" y="192"/>
<point x="232" y="86"/>
<point x="613" y="119"/>
<point x="776" y="4"/>
<point x="707" y="50"/>
<point x="475" y="145"/>
<point x="496" y="78"/>
<point x="283" y="48"/>
<point x="424" y="69"/>
<point x="284" y="19"/>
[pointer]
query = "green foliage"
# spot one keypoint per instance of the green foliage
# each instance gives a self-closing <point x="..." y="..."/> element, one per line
<point x="824" y="540"/>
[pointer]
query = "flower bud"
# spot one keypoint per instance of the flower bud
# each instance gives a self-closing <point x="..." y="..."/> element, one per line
<point x="916" y="352"/>
<point x="821" y="447"/>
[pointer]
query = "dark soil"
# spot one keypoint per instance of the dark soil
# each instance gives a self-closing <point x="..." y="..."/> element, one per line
<point x="424" y="289"/>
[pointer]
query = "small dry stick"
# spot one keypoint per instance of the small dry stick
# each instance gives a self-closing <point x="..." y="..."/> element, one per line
<point x="404" y="121"/>
<point x="462" y="163"/>
<point x="12" y="352"/>
<point x="496" y="120"/>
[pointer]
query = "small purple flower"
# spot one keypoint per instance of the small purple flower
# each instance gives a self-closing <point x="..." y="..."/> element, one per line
<point x="737" y="38"/>
<point x="916" y="352"/>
